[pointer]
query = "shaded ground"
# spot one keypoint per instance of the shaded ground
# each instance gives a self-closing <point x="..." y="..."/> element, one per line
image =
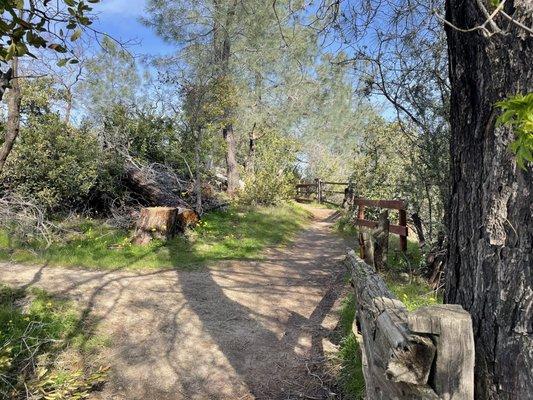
<point x="235" y="330"/>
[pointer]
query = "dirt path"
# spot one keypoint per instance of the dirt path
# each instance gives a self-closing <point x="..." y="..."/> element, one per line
<point x="235" y="330"/>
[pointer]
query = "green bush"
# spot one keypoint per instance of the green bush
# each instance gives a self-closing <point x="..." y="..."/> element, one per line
<point x="53" y="163"/>
<point x="273" y="178"/>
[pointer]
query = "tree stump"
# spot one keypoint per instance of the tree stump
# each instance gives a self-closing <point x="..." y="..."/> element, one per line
<point x="162" y="223"/>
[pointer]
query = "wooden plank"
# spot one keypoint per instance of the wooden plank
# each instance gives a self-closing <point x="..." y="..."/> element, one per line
<point x="451" y="328"/>
<point x="392" y="204"/>
<point x="398" y="363"/>
<point x="336" y="183"/>
<point x="396" y="229"/>
<point x="403" y="222"/>
<point x="302" y="185"/>
<point x="424" y="355"/>
<point x="302" y="200"/>
<point x="333" y="191"/>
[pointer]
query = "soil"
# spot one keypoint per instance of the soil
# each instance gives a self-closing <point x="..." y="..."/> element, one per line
<point x="233" y="330"/>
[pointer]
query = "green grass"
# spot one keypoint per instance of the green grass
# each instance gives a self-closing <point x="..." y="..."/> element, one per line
<point x="238" y="233"/>
<point x="414" y="294"/>
<point x="42" y="345"/>
<point x="351" y="379"/>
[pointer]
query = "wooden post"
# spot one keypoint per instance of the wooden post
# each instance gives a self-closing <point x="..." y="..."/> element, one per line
<point x="450" y="328"/>
<point x="380" y="238"/>
<point x="403" y="222"/>
<point x="427" y="354"/>
<point x="319" y="190"/>
<point x="361" y="215"/>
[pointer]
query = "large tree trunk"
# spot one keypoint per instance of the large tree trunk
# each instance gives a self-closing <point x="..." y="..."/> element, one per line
<point x="13" y="115"/>
<point x="231" y="160"/>
<point x="222" y="24"/>
<point x="489" y="268"/>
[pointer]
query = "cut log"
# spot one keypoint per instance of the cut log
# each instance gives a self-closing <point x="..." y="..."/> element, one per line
<point x="162" y="223"/>
<point x="187" y="218"/>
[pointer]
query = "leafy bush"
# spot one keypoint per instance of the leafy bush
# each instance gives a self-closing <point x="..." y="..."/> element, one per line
<point x="53" y="163"/>
<point x="144" y="135"/>
<point x="518" y="113"/>
<point x="273" y="178"/>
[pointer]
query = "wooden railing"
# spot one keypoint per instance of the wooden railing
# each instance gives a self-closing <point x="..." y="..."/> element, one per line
<point x="425" y="354"/>
<point x="400" y="229"/>
<point x="320" y="190"/>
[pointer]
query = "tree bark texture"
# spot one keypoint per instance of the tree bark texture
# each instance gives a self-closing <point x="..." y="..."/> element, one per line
<point x="489" y="267"/>
<point x="13" y="115"/>
<point x="162" y="223"/>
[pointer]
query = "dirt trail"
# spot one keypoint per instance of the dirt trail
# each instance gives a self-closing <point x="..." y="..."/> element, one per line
<point x="234" y="330"/>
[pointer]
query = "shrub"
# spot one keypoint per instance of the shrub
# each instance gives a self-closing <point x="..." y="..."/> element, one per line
<point x="53" y="163"/>
<point x="274" y="177"/>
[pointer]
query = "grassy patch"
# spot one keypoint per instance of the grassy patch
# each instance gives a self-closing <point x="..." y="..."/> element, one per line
<point x="351" y="379"/>
<point x="414" y="294"/>
<point x="43" y="346"/>
<point x="238" y="233"/>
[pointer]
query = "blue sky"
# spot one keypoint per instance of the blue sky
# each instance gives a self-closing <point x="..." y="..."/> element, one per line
<point x="120" y="19"/>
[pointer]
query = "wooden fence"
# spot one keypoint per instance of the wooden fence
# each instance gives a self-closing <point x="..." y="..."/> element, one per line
<point x="320" y="191"/>
<point x="425" y="354"/>
<point x="400" y="229"/>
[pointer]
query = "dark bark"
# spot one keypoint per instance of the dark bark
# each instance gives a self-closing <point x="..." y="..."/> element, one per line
<point x="417" y="222"/>
<point x="250" y="161"/>
<point x="5" y="81"/>
<point x="490" y="223"/>
<point x="13" y="116"/>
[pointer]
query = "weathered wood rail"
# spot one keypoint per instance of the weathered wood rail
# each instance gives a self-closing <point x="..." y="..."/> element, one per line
<point x="424" y="354"/>
<point x="318" y="189"/>
<point x="400" y="229"/>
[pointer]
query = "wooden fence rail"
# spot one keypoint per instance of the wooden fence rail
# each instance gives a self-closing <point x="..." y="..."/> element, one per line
<point x="306" y="191"/>
<point x="425" y="354"/>
<point x="400" y="229"/>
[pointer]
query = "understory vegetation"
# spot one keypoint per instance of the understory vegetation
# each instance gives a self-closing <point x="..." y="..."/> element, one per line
<point x="240" y="232"/>
<point x="47" y="351"/>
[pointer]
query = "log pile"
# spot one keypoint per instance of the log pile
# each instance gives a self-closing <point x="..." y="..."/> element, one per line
<point x="155" y="186"/>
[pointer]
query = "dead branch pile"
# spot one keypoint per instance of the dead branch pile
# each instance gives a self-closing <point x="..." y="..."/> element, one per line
<point x="159" y="186"/>
<point x="24" y="218"/>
